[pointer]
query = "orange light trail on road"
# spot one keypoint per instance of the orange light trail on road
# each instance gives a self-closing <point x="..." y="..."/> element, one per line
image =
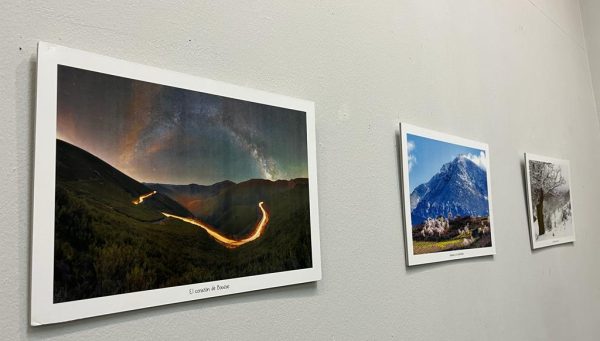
<point x="142" y="197"/>
<point x="228" y="242"/>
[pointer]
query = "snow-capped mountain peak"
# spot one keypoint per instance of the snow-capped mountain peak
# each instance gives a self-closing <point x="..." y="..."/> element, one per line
<point x="459" y="188"/>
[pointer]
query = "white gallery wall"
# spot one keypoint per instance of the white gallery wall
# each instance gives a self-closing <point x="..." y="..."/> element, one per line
<point x="590" y="11"/>
<point x="512" y="73"/>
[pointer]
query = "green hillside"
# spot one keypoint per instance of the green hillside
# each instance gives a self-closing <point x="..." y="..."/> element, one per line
<point x="89" y="176"/>
<point x="232" y="208"/>
<point x="105" y="245"/>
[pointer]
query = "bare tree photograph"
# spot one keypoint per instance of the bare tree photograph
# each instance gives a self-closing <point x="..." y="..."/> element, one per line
<point x="550" y="206"/>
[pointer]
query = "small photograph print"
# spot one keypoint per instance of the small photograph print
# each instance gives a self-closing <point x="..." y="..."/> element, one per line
<point x="550" y="201"/>
<point x="196" y="192"/>
<point x="447" y="196"/>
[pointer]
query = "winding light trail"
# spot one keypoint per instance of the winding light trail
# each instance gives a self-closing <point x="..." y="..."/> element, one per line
<point x="142" y="197"/>
<point x="259" y="229"/>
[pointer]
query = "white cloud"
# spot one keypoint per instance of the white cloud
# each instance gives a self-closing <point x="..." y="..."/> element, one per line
<point x="480" y="160"/>
<point x="412" y="160"/>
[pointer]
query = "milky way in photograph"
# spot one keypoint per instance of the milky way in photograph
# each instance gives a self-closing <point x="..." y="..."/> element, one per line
<point x="157" y="133"/>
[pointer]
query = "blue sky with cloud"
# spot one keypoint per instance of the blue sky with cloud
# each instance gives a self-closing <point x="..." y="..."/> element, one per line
<point x="426" y="156"/>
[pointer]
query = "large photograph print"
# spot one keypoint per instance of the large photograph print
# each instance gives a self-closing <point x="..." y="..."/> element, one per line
<point x="447" y="197"/>
<point x="158" y="185"/>
<point x="550" y="201"/>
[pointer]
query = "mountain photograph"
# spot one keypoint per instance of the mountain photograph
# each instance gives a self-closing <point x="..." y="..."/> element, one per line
<point x="159" y="187"/>
<point x="449" y="205"/>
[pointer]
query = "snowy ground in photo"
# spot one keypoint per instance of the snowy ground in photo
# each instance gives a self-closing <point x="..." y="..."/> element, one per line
<point x="560" y="227"/>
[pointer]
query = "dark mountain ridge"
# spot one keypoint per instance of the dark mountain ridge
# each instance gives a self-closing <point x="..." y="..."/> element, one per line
<point x="230" y="207"/>
<point x="191" y="190"/>
<point x="88" y="173"/>
<point x="201" y="199"/>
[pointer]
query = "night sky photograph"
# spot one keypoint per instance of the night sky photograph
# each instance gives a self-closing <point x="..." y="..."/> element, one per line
<point x="158" y="186"/>
<point x="156" y="133"/>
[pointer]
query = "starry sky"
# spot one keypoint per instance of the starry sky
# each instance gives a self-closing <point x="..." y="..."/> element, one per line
<point x="162" y="134"/>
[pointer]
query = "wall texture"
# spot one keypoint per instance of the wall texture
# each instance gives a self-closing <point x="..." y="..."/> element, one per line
<point x="512" y="73"/>
<point x="590" y="12"/>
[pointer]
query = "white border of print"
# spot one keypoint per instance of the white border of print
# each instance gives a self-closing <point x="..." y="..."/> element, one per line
<point x="43" y="310"/>
<point x="564" y="164"/>
<point x="445" y="255"/>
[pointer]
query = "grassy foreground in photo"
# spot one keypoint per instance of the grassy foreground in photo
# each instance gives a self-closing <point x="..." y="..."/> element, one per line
<point x="105" y="245"/>
<point x="455" y="238"/>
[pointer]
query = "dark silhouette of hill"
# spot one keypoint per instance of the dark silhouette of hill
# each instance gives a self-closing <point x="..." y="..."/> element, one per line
<point x="191" y="189"/>
<point x="191" y="196"/>
<point x="106" y="245"/>
<point x="107" y="184"/>
<point x="231" y="207"/>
